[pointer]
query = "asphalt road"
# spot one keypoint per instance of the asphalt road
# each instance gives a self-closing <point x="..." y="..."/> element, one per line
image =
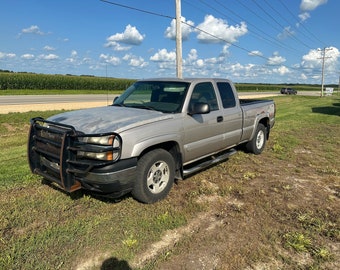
<point x="50" y="99"/>
<point x="47" y="99"/>
<point x="26" y="103"/>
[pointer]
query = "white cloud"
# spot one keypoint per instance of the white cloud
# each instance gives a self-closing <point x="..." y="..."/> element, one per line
<point x="186" y="29"/>
<point x="314" y="59"/>
<point x="311" y="4"/>
<point x="304" y="16"/>
<point x="7" y="55"/>
<point x="163" y="56"/>
<point x="50" y="56"/>
<point x="135" y="61"/>
<point x="130" y="36"/>
<point x="74" y="53"/>
<point x="287" y="32"/>
<point x="216" y="30"/>
<point x="27" y="56"/>
<point x="308" y="5"/>
<point x="49" y="48"/>
<point x="255" y="53"/>
<point x="225" y="51"/>
<point x="276" y="59"/>
<point x="73" y="58"/>
<point x="109" y="59"/>
<point x="200" y="63"/>
<point x="33" y="29"/>
<point x="282" y="70"/>
<point x="303" y="76"/>
<point x="117" y="46"/>
<point x="192" y="55"/>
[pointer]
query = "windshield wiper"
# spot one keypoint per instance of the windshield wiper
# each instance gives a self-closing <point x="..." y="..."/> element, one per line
<point x="143" y="106"/>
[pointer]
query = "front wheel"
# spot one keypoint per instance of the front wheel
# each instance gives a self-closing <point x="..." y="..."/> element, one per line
<point x="155" y="176"/>
<point x="257" y="144"/>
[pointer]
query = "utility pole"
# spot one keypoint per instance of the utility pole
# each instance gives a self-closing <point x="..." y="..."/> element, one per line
<point x="178" y="40"/>
<point x="323" y="68"/>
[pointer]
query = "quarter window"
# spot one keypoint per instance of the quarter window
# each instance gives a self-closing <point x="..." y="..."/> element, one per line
<point x="227" y="94"/>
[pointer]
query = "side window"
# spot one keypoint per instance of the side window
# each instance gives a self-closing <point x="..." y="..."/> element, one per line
<point x="227" y="95"/>
<point x="204" y="92"/>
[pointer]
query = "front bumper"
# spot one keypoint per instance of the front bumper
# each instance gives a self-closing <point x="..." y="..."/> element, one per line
<point x="53" y="152"/>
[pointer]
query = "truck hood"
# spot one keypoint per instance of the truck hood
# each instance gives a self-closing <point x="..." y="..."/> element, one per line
<point x="109" y="119"/>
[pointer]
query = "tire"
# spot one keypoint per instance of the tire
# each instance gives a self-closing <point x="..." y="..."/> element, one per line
<point x="155" y="176"/>
<point x="257" y="144"/>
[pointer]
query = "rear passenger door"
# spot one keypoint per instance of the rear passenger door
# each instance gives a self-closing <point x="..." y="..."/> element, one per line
<point x="232" y="114"/>
<point x="203" y="133"/>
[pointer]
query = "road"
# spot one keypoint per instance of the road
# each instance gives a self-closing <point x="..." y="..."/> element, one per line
<point x="25" y="103"/>
<point x="49" y="99"/>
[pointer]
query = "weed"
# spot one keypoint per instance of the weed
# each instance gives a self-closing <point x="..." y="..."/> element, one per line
<point x="297" y="241"/>
<point x="322" y="254"/>
<point x="277" y="148"/>
<point x="130" y="241"/>
<point x="329" y="170"/>
<point x="249" y="175"/>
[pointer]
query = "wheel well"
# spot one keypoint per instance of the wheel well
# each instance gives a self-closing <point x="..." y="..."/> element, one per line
<point x="265" y="122"/>
<point x="173" y="148"/>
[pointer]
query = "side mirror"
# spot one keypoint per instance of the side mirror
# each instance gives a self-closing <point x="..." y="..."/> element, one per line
<point x="199" y="108"/>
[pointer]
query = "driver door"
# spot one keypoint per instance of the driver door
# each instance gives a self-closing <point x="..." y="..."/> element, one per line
<point x="203" y="133"/>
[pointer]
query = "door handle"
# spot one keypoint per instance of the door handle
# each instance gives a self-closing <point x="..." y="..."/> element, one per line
<point x="219" y="118"/>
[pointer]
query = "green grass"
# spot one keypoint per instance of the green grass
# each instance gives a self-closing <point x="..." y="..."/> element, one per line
<point x="274" y="201"/>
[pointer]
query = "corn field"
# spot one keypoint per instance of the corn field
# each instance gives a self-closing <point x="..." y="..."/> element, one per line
<point x="11" y="80"/>
<point x="32" y="81"/>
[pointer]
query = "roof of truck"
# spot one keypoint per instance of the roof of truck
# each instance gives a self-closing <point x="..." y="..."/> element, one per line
<point x="184" y="79"/>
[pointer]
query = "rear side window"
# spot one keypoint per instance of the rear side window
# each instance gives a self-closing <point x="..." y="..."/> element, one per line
<point x="227" y="94"/>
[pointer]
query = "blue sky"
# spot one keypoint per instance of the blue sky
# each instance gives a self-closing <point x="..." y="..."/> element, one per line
<point x="259" y="41"/>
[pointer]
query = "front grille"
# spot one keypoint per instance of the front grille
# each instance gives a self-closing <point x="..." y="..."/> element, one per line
<point x="53" y="149"/>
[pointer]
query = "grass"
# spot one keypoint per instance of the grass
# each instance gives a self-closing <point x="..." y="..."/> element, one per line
<point x="278" y="210"/>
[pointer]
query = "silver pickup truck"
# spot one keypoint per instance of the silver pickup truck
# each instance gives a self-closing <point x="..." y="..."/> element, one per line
<point x="157" y="131"/>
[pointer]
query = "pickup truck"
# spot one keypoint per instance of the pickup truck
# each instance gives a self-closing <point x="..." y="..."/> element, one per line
<point x="156" y="132"/>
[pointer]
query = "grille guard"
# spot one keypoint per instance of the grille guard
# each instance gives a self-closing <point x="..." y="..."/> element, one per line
<point x="58" y="144"/>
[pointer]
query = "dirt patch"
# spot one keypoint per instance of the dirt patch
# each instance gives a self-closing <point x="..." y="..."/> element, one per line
<point x="244" y="221"/>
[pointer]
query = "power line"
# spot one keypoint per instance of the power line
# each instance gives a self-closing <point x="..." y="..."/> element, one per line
<point x="170" y="17"/>
<point x="137" y="9"/>
<point x="269" y="15"/>
<point x="266" y="37"/>
<point x="191" y="26"/>
<point x="300" y="23"/>
<point x="285" y="19"/>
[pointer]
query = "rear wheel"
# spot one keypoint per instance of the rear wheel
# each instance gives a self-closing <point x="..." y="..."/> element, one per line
<point x="257" y="144"/>
<point x="155" y="176"/>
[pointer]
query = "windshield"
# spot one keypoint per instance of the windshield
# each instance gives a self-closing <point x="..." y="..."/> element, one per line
<point x="161" y="96"/>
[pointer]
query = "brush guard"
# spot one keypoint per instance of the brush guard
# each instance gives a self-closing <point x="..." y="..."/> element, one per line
<point x="53" y="148"/>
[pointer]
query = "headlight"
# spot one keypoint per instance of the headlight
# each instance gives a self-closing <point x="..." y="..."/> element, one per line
<point x="105" y="147"/>
<point x="101" y="140"/>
